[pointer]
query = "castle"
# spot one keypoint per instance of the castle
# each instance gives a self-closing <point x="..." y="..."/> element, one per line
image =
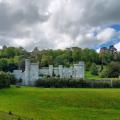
<point x="33" y="73"/>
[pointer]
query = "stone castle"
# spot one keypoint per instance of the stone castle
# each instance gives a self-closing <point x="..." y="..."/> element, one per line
<point x="33" y="73"/>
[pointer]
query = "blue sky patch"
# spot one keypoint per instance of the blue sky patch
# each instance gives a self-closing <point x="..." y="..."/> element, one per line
<point x="116" y="27"/>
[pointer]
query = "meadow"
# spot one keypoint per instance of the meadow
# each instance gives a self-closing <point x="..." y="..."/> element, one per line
<point x="60" y="104"/>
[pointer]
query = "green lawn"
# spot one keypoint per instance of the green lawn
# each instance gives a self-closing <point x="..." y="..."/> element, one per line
<point x="89" y="76"/>
<point x="61" y="104"/>
<point x="7" y="116"/>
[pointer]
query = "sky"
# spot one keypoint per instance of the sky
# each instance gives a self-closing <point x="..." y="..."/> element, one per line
<point x="59" y="24"/>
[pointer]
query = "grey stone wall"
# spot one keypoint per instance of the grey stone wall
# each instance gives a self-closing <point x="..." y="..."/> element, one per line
<point x="32" y="72"/>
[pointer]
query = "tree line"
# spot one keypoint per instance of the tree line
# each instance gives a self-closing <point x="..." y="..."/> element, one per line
<point x="12" y="58"/>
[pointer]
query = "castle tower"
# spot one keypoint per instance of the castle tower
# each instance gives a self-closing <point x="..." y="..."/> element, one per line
<point x="27" y="72"/>
<point x="51" y="70"/>
<point x="60" y="71"/>
<point x="79" y="70"/>
<point x="34" y="73"/>
<point x="82" y="69"/>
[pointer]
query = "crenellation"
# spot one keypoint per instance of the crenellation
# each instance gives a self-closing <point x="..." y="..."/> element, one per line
<point x="51" y="70"/>
<point x="33" y="73"/>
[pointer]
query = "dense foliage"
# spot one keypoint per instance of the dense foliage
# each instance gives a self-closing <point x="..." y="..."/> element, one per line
<point x="94" y="69"/>
<point x="13" y="58"/>
<point x="112" y="70"/>
<point x="4" y="80"/>
<point x="76" y="83"/>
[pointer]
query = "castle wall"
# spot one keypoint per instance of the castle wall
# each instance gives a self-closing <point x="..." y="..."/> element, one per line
<point x="27" y="72"/>
<point x="32" y="72"/>
<point x="18" y="74"/>
<point x="60" y="71"/>
<point x="51" y="70"/>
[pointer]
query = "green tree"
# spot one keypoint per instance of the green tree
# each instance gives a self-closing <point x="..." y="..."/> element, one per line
<point x="94" y="69"/>
<point x="3" y="64"/>
<point x="112" y="70"/>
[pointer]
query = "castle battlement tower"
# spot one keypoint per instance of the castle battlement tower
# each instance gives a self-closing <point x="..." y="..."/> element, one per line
<point x="27" y="72"/>
<point x="31" y="72"/>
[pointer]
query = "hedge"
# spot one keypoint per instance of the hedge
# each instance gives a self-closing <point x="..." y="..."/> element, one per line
<point x="76" y="83"/>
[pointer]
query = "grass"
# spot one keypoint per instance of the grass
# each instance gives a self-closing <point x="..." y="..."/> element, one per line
<point x="61" y="104"/>
<point x="89" y="76"/>
<point x="7" y="116"/>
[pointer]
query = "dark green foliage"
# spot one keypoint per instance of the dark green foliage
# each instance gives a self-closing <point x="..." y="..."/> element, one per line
<point x="94" y="69"/>
<point x="76" y="83"/>
<point x="4" y="80"/>
<point x="104" y="73"/>
<point x="116" y="83"/>
<point x="101" y="84"/>
<point x="88" y="66"/>
<point x="12" y="58"/>
<point x="112" y="70"/>
<point x="62" y="83"/>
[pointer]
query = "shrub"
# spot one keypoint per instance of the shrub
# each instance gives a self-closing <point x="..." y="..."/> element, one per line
<point x="4" y="80"/>
<point x="94" y="69"/>
<point x="104" y="73"/>
<point x="116" y="83"/>
<point x="62" y="83"/>
<point x="111" y="71"/>
<point x="101" y="84"/>
<point x="76" y="83"/>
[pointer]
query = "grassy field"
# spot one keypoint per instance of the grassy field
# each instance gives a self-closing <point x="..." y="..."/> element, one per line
<point x="61" y="104"/>
<point x="89" y="76"/>
<point x="7" y="116"/>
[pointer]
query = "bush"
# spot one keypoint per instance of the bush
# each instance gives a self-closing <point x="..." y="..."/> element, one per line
<point x="4" y="80"/>
<point x="76" y="83"/>
<point x="101" y="84"/>
<point x="116" y="83"/>
<point x="104" y="73"/>
<point x="61" y="83"/>
<point x="111" y="71"/>
<point x="94" y="69"/>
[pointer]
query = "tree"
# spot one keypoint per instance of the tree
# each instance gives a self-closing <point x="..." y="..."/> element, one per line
<point x="4" y="80"/>
<point x="46" y="60"/>
<point x="94" y="69"/>
<point x="112" y="70"/>
<point x="76" y="54"/>
<point x="3" y="64"/>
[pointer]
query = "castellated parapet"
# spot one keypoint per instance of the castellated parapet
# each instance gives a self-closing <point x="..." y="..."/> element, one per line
<point x="33" y="73"/>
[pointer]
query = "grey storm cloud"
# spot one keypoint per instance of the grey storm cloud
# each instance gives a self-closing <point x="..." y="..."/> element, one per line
<point x="57" y="23"/>
<point x="10" y="18"/>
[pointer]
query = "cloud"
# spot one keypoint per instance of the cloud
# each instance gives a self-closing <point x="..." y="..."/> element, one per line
<point x="106" y="34"/>
<point x="57" y="23"/>
<point x="118" y="46"/>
